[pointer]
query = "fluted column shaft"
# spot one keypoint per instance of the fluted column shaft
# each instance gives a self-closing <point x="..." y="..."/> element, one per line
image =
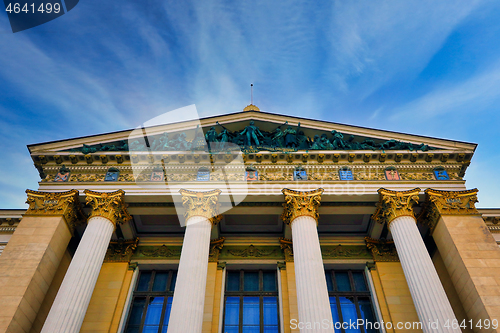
<point x="189" y="295"/>
<point x="301" y="212"/>
<point x="70" y="305"/>
<point x="312" y="292"/>
<point x="426" y="290"/>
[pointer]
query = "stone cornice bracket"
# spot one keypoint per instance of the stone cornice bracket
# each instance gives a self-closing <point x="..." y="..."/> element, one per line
<point x="66" y="204"/>
<point x="287" y="247"/>
<point x="393" y="204"/>
<point x="216" y="246"/>
<point x="110" y="205"/>
<point x="382" y="250"/>
<point x="299" y="203"/>
<point x="440" y="202"/>
<point x="121" y="250"/>
<point x="205" y="204"/>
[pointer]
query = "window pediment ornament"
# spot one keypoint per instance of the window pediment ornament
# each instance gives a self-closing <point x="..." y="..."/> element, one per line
<point x="121" y="250"/>
<point x="66" y="204"/>
<point x="440" y="202"/>
<point x="204" y="204"/>
<point x="382" y="250"/>
<point x="393" y="204"/>
<point x="110" y="205"/>
<point x="299" y="203"/>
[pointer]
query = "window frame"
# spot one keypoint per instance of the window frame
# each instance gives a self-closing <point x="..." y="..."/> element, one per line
<point x="147" y="295"/>
<point x="353" y="293"/>
<point x="261" y="294"/>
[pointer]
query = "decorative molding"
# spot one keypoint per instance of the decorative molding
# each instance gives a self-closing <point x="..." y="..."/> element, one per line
<point x="110" y="205"/>
<point x="158" y="252"/>
<point x="221" y="265"/>
<point x="347" y="251"/>
<point x="204" y="204"/>
<point x="440" y="202"/>
<point x="382" y="250"/>
<point x="66" y="204"/>
<point x="121" y="250"/>
<point x="253" y="251"/>
<point x="287" y="247"/>
<point x="132" y="266"/>
<point x="371" y="266"/>
<point x="393" y="204"/>
<point x="299" y="203"/>
<point x="281" y="265"/>
<point x="215" y="248"/>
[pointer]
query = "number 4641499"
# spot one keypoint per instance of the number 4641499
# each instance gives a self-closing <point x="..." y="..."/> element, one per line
<point x="43" y="8"/>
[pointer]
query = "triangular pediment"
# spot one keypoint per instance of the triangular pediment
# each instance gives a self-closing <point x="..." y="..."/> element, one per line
<point x="273" y="133"/>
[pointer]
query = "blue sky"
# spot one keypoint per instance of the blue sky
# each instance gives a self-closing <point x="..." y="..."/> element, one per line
<point x="423" y="67"/>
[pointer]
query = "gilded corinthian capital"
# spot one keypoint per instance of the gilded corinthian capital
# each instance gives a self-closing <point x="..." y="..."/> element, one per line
<point x="64" y="204"/>
<point x="301" y="203"/>
<point x="204" y="204"/>
<point x="393" y="204"/>
<point x="110" y="205"/>
<point x="448" y="203"/>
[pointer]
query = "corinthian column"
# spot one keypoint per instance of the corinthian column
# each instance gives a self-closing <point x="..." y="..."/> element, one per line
<point x="70" y="305"/>
<point x="396" y="209"/>
<point x="201" y="212"/>
<point x="301" y="213"/>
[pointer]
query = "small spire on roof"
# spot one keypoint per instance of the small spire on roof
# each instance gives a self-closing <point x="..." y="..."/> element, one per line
<point x="251" y="107"/>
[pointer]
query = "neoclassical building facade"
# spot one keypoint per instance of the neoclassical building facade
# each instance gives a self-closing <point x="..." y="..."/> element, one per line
<point x="250" y="222"/>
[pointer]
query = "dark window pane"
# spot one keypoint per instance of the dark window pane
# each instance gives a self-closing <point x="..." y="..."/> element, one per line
<point x="137" y="310"/>
<point x="167" y="315"/>
<point x="329" y="282"/>
<point x="365" y="307"/>
<point x="143" y="284"/>
<point x="251" y="314"/>
<point x="132" y="330"/>
<point x="349" y="314"/>
<point x="269" y="281"/>
<point x="270" y="309"/>
<point x="251" y="281"/>
<point x="153" y="314"/>
<point x="343" y="283"/>
<point x="335" y="313"/>
<point x="172" y="283"/>
<point x="359" y="281"/>
<point x="160" y="283"/>
<point x="232" y="314"/>
<point x="233" y="281"/>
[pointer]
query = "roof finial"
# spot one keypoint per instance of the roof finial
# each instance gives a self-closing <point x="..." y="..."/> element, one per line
<point x="251" y="107"/>
<point x="251" y="93"/>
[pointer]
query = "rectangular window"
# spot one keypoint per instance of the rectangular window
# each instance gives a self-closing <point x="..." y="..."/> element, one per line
<point x="151" y="302"/>
<point x="350" y="300"/>
<point x="251" y="302"/>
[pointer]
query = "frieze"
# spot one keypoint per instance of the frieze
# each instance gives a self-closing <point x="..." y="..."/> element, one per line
<point x="158" y="252"/>
<point x="65" y="204"/>
<point x="382" y="250"/>
<point x="251" y="139"/>
<point x="255" y="252"/>
<point x="121" y="250"/>
<point x="345" y="251"/>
